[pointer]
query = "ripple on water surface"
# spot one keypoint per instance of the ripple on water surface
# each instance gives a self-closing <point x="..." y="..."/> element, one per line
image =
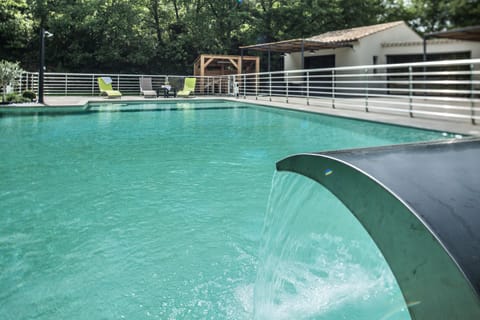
<point x="159" y="214"/>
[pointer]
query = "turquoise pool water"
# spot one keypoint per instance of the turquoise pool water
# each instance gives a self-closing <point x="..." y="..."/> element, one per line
<point x="159" y="213"/>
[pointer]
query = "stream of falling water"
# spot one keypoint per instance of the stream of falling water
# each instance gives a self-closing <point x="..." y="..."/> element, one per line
<point x="317" y="262"/>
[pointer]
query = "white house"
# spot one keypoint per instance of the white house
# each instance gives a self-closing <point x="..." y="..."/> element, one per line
<point x="393" y="42"/>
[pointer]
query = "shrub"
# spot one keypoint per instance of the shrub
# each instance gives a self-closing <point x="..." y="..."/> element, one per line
<point x="9" y="73"/>
<point x="29" y="95"/>
<point x="15" y="98"/>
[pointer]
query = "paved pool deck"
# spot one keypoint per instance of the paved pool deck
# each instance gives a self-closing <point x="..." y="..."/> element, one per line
<point x="461" y="126"/>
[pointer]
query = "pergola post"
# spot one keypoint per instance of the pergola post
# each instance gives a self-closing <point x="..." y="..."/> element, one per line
<point x="303" y="54"/>
<point x="241" y="62"/>
<point x="269" y="59"/>
<point x="202" y="72"/>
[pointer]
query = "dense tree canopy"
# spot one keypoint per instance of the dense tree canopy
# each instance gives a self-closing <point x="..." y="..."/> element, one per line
<point x="165" y="36"/>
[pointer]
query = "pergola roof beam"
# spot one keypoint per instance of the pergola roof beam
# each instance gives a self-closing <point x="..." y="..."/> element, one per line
<point x="469" y="33"/>
<point x="295" y="45"/>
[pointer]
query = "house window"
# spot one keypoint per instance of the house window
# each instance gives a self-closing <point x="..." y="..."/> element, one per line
<point x="397" y="77"/>
<point x="406" y="58"/>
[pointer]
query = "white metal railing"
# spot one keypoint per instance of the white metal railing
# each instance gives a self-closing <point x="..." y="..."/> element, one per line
<point x="440" y="90"/>
<point x="85" y="84"/>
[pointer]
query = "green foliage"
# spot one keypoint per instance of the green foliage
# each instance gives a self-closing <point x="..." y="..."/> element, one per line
<point x="433" y="15"/>
<point x="30" y="95"/>
<point x="16" y="27"/>
<point x="9" y="73"/>
<point x="165" y="36"/>
<point x="16" y="98"/>
<point x="464" y="13"/>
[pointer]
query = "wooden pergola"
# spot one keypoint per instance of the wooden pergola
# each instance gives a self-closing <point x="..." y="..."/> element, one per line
<point x="220" y="65"/>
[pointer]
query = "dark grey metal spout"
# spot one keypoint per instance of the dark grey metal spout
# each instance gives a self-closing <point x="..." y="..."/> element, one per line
<point x="420" y="203"/>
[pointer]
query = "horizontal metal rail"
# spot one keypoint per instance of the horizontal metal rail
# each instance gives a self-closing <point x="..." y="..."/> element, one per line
<point x="85" y="84"/>
<point x="447" y="90"/>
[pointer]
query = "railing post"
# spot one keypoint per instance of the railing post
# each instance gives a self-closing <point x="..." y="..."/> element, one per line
<point x="286" y="75"/>
<point x="308" y="88"/>
<point x="93" y="84"/>
<point x="333" y="89"/>
<point x="366" y="90"/>
<point x="256" y="86"/>
<point x="66" y="84"/>
<point x="118" y="82"/>
<point x="472" y="100"/>
<point x="20" y="82"/>
<point x="244" y="86"/>
<point x="270" y="86"/>
<point x="410" y="92"/>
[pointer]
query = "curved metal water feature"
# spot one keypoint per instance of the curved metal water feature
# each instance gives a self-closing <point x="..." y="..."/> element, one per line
<point x="420" y="203"/>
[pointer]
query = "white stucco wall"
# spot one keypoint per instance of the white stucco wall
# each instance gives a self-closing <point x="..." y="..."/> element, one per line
<point x="407" y="42"/>
<point x="292" y="61"/>
<point x="363" y="50"/>
<point x="372" y="45"/>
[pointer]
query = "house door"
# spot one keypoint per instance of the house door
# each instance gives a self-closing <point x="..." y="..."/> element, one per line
<point x="320" y="82"/>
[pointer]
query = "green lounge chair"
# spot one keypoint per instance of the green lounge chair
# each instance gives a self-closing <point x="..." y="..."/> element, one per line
<point x="105" y="85"/>
<point x="188" y="87"/>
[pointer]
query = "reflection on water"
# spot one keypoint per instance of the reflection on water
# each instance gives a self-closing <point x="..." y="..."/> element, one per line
<point x="141" y="214"/>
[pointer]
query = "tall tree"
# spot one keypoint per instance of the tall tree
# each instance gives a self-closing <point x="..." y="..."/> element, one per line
<point x="16" y="28"/>
<point x="165" y="36"/>
<point x="464" y="13"/>
<point x="431" y="15"/>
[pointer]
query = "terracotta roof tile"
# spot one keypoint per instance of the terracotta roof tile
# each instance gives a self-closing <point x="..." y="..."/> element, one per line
<point x="353" y="34"/>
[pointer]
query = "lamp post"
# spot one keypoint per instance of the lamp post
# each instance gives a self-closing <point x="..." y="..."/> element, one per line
<point x="43" y="33"/>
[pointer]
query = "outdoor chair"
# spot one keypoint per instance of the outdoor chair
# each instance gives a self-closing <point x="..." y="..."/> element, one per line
<point x="105" y="85"/>
<point x="188" y="87"/>
<point x="146" y="88"/>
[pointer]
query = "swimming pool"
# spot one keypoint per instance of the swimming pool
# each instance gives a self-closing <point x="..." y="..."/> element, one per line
<point x="153" y="212"/>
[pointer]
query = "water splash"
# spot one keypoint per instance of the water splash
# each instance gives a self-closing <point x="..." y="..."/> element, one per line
<point x="317" y="262"/>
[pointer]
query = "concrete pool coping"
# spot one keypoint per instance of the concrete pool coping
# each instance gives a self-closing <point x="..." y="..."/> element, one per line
<point x="77" y="103"/>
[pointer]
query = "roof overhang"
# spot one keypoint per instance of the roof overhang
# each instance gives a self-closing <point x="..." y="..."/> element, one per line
<point x="468" y="33"/>
<point x="296" y="45"/>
